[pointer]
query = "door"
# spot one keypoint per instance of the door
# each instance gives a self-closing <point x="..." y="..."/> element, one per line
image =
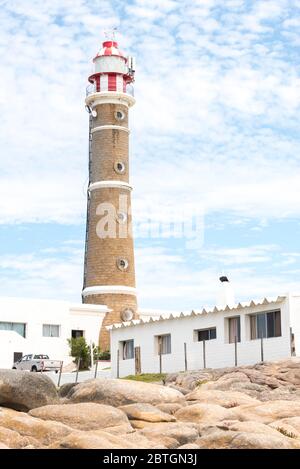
<point x="17" y="356"/>
<point x="137" y="356"/>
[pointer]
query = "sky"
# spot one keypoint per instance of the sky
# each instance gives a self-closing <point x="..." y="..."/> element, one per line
<point x="214" y="144"/>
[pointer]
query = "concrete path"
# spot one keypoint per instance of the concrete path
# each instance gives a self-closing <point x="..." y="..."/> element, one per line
<point x="82" y="375"/>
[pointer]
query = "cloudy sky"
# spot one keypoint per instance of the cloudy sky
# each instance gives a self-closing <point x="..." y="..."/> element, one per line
<point x="214" y="138"/>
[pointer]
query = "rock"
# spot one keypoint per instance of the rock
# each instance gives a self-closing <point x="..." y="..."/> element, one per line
<point x="279" y="394"/>
<point x="44" y="432"/>
<point x="267" y="412"/>
<point x="204" y="413"/>
<point x="223" y="398"/>
<point x="23" y="391"/>
<point x="12" y="438"/>
<point x="169" y="408"/>
<point x="146" y="412"/>
<point x="3" y="446"/>
<point x="182" y="432"/>
<point x="65" y="388"/>
<point x="236" y="440"/>
<point x="179" y="388"/>
<point x="288" y="426"/>
<point x="144" y="443"/>
<point x="90" y="440"/>
<point x="139" y="424"/>
<point x="226" y="381"/>
<point x="84" y="416"/>
<point x="118" y="392"/>
<point x="189" y="446"/>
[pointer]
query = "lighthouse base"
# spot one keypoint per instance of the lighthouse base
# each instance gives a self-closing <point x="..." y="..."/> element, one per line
<point x="117" y="303"/>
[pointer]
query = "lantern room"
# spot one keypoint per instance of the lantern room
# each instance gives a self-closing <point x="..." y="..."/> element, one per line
<point x="113" y="71"/>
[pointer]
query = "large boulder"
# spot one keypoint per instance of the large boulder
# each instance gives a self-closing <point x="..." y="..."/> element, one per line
<point x="223" y="398"/>
<point x="146" y="412"/>
<point x="204" y="413"/>
<point x="118" y="392"/>
<point x="267" y="412"/>
<point x="34" y="429"/>
<point x="23" y="391"/>
<point x="85" y="416"/>
<point x="245" y="440"/>
<point x="91" y="440"/>
<point x="12" y="439"/>
<point x="169" y="408"/>
<point x="182" y="432"/>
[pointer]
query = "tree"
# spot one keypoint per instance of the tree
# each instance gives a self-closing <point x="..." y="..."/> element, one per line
<point x="80" y="349"/>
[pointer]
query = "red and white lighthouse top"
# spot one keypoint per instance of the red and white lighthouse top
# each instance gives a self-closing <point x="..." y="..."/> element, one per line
<point x="113" y="71"/>
<point x="110" y="48"/>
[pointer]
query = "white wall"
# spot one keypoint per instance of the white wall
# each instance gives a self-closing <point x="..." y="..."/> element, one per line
<point x="35" y="313"/>
<point x="294" y="301"/>
<point x="218" y="353"/>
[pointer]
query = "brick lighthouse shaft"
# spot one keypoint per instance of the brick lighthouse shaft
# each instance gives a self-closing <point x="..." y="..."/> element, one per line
<point x="109" y="276"/>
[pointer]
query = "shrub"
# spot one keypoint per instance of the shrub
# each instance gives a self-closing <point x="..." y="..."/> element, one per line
<point x="80" y="349"/>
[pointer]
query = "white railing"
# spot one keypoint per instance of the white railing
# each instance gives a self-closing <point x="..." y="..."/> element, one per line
<point x="91" y="89"/>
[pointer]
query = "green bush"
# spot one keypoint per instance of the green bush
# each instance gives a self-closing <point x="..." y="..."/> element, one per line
<point x="79" y="348"/>
<point x="100" y="354"/>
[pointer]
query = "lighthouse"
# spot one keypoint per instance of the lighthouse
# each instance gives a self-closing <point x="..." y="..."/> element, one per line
<point x="109" y="274"/>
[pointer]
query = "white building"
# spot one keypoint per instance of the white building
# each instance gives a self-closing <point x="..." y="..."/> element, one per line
<point x="43" y="327"/>
<point x="219" y="337"/>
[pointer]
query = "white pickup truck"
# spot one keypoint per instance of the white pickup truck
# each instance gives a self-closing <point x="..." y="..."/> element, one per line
<point x="37" y="363"/>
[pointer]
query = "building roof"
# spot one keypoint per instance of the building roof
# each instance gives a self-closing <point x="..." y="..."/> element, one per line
<point x="109" y="48"/>
<point x="215" y="309"/>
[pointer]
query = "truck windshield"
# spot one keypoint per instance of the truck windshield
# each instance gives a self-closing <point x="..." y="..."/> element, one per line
<point x="41" y="357"/>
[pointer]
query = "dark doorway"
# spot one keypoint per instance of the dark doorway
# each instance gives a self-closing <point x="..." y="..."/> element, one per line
<point x="17" y="356"/>
<point x="76" y="334"/>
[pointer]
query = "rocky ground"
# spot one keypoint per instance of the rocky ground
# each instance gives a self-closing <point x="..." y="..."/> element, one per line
<point x="244" y="407"/>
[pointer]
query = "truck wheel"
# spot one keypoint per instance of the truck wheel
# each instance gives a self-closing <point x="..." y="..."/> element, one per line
<point x="14" y="368"/>
<point x="34" y="369"/>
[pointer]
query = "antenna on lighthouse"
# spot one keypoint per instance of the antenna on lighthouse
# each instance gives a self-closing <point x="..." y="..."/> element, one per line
<point x="110" y="34"/>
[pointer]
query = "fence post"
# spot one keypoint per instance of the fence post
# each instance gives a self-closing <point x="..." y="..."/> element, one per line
<point x="60" y="372"/>
<point x="204" y="354"/>
<point x="185" y="356"/>
<point x="96" y="369"/>
<point x="78" y="365"/>
<point x="118" y="363"/>
<point x="262" y="349"/>
<point x="235" y="350"/>
<point x="160" y="360"/>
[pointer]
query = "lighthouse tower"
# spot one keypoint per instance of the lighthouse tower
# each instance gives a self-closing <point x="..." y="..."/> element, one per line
<point x="109" y="276"/>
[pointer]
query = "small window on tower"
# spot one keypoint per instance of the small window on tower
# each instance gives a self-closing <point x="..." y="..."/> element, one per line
<point x="121" y="217"/>
<point x="120" y="115"/>
<point x="122" y="263"/>
<point x="119" y="167"/>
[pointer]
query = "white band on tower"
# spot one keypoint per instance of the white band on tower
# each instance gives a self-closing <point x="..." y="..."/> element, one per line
<point x="109" y="127"/>
<point x="110" y="185"/>
<point x="102" y="290"/>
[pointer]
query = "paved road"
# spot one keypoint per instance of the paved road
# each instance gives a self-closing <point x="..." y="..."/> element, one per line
<point x="82" y="376"/>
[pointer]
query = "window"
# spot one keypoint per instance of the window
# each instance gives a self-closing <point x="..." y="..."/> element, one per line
<point x="164" y="344"/>
<point x="127" y="349"/>
<point x="77" y="333"/>
<point x="50" y="330"/>
<point x="234" y="329"/>
<point x="41" y="357"/>
<point x="205" y="334"/>
<point x="122" y="263"/>
<point x="265" y="325"/>
<point x="127" y="314"/>
<point x="119" y="115"/>
<point x="119" y="167"/>
<point x="121" y="217"/>
<point x="18" y="327"/>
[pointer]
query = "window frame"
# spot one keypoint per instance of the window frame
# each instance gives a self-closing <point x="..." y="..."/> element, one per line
<point x="124" y="349"/>
<point x="50" y="328"/>
<point x="206" y="329"/>
<point x="255" y="334"/>
<point x="160" y="349"/>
